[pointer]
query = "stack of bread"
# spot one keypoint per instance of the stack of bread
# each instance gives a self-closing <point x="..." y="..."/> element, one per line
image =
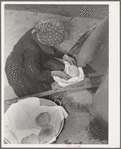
<point x="46" y="133"/>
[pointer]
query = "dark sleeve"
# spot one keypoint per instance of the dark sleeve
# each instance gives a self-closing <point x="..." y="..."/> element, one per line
<point x="33" y="66"/>
<point x="58" y="53"/>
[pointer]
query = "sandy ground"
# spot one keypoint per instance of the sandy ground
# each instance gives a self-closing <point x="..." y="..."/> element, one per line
<point x="16" y="24"/>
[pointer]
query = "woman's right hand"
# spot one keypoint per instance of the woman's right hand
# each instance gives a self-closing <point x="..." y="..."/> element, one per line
<point x="69" y="59"/>
<point x="60" y="74"/>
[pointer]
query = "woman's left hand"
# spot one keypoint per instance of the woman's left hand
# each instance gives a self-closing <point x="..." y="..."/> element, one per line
<point x="69" y="59"/>
<point x="60" y="74"/>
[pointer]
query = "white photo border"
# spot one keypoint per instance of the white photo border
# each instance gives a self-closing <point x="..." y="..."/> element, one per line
<point x="114" y="73"/>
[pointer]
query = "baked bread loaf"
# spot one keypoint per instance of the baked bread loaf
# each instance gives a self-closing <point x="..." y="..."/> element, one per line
<point x="43" y="119"/>
<point x="46" y="133"/>
<point x="73" y="71"/>
<point x="31" y="139"/>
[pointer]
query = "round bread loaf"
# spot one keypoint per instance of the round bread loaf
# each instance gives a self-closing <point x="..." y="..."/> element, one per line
<point x="73" y="71"/>
<point x="43" y="119"/>
<point x="46" y="133"/>
<point x="31" y="139"/>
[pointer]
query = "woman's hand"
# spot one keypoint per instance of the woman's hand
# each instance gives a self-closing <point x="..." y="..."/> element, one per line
<point x="60" y="74"/>
<point x="69" y="59"/>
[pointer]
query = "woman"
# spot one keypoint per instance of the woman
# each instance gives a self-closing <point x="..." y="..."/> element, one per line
<point x="32" y="63"/>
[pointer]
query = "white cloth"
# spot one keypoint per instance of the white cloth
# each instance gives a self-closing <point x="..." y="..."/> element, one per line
<point x="19" y="119"/>
<point x="63" y="83"/>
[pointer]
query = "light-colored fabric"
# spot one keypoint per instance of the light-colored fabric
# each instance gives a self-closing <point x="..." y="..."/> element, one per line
<point x="19" y="119"/>
<point x="63" y="83"/>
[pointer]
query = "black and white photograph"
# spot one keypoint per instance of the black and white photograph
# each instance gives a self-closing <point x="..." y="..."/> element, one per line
<point x="60" y="74"/>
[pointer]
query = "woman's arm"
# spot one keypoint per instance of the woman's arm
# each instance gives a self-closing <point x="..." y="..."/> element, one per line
<point x="33" y="66"/>
<point x="57" y="53"/>
<point x="35" y="70"/>
<point x="60" y="74"/>
<point x="66" y="57"/>
<point x="69" y="59"/>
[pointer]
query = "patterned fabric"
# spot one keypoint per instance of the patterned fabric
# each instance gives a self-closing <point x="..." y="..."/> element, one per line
<point x="50" y="32"/>
<point x="12" y="72"/>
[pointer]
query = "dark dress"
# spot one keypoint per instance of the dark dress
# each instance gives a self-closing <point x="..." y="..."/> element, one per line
<point x="28" y="67"/>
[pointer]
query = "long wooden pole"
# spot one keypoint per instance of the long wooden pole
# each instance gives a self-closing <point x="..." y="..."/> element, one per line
<point x="47" y="93"/>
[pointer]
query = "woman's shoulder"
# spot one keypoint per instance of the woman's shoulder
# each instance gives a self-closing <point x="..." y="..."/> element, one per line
<point x="27" y="36"/>
<point x="26" y="41"/>
<point x="28" y="33"/>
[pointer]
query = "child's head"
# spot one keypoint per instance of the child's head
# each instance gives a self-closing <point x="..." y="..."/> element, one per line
<point x="73" y="71"/>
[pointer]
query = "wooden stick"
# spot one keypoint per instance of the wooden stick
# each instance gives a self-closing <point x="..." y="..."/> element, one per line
<point x="50" y="92"/>
<point x="76" y="48"/>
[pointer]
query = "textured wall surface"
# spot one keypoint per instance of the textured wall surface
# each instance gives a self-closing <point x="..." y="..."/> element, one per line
<point x="100" y="100"/>
<point x="99" y="125"/>
<point x="94" y="51"/>
<point x="90" y="11"/>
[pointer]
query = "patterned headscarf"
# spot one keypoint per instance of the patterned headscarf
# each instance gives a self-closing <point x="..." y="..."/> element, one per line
<point x="50" y="32"/>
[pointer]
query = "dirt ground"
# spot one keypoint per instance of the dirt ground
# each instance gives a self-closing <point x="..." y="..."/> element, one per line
<point x="16" y="24"/>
